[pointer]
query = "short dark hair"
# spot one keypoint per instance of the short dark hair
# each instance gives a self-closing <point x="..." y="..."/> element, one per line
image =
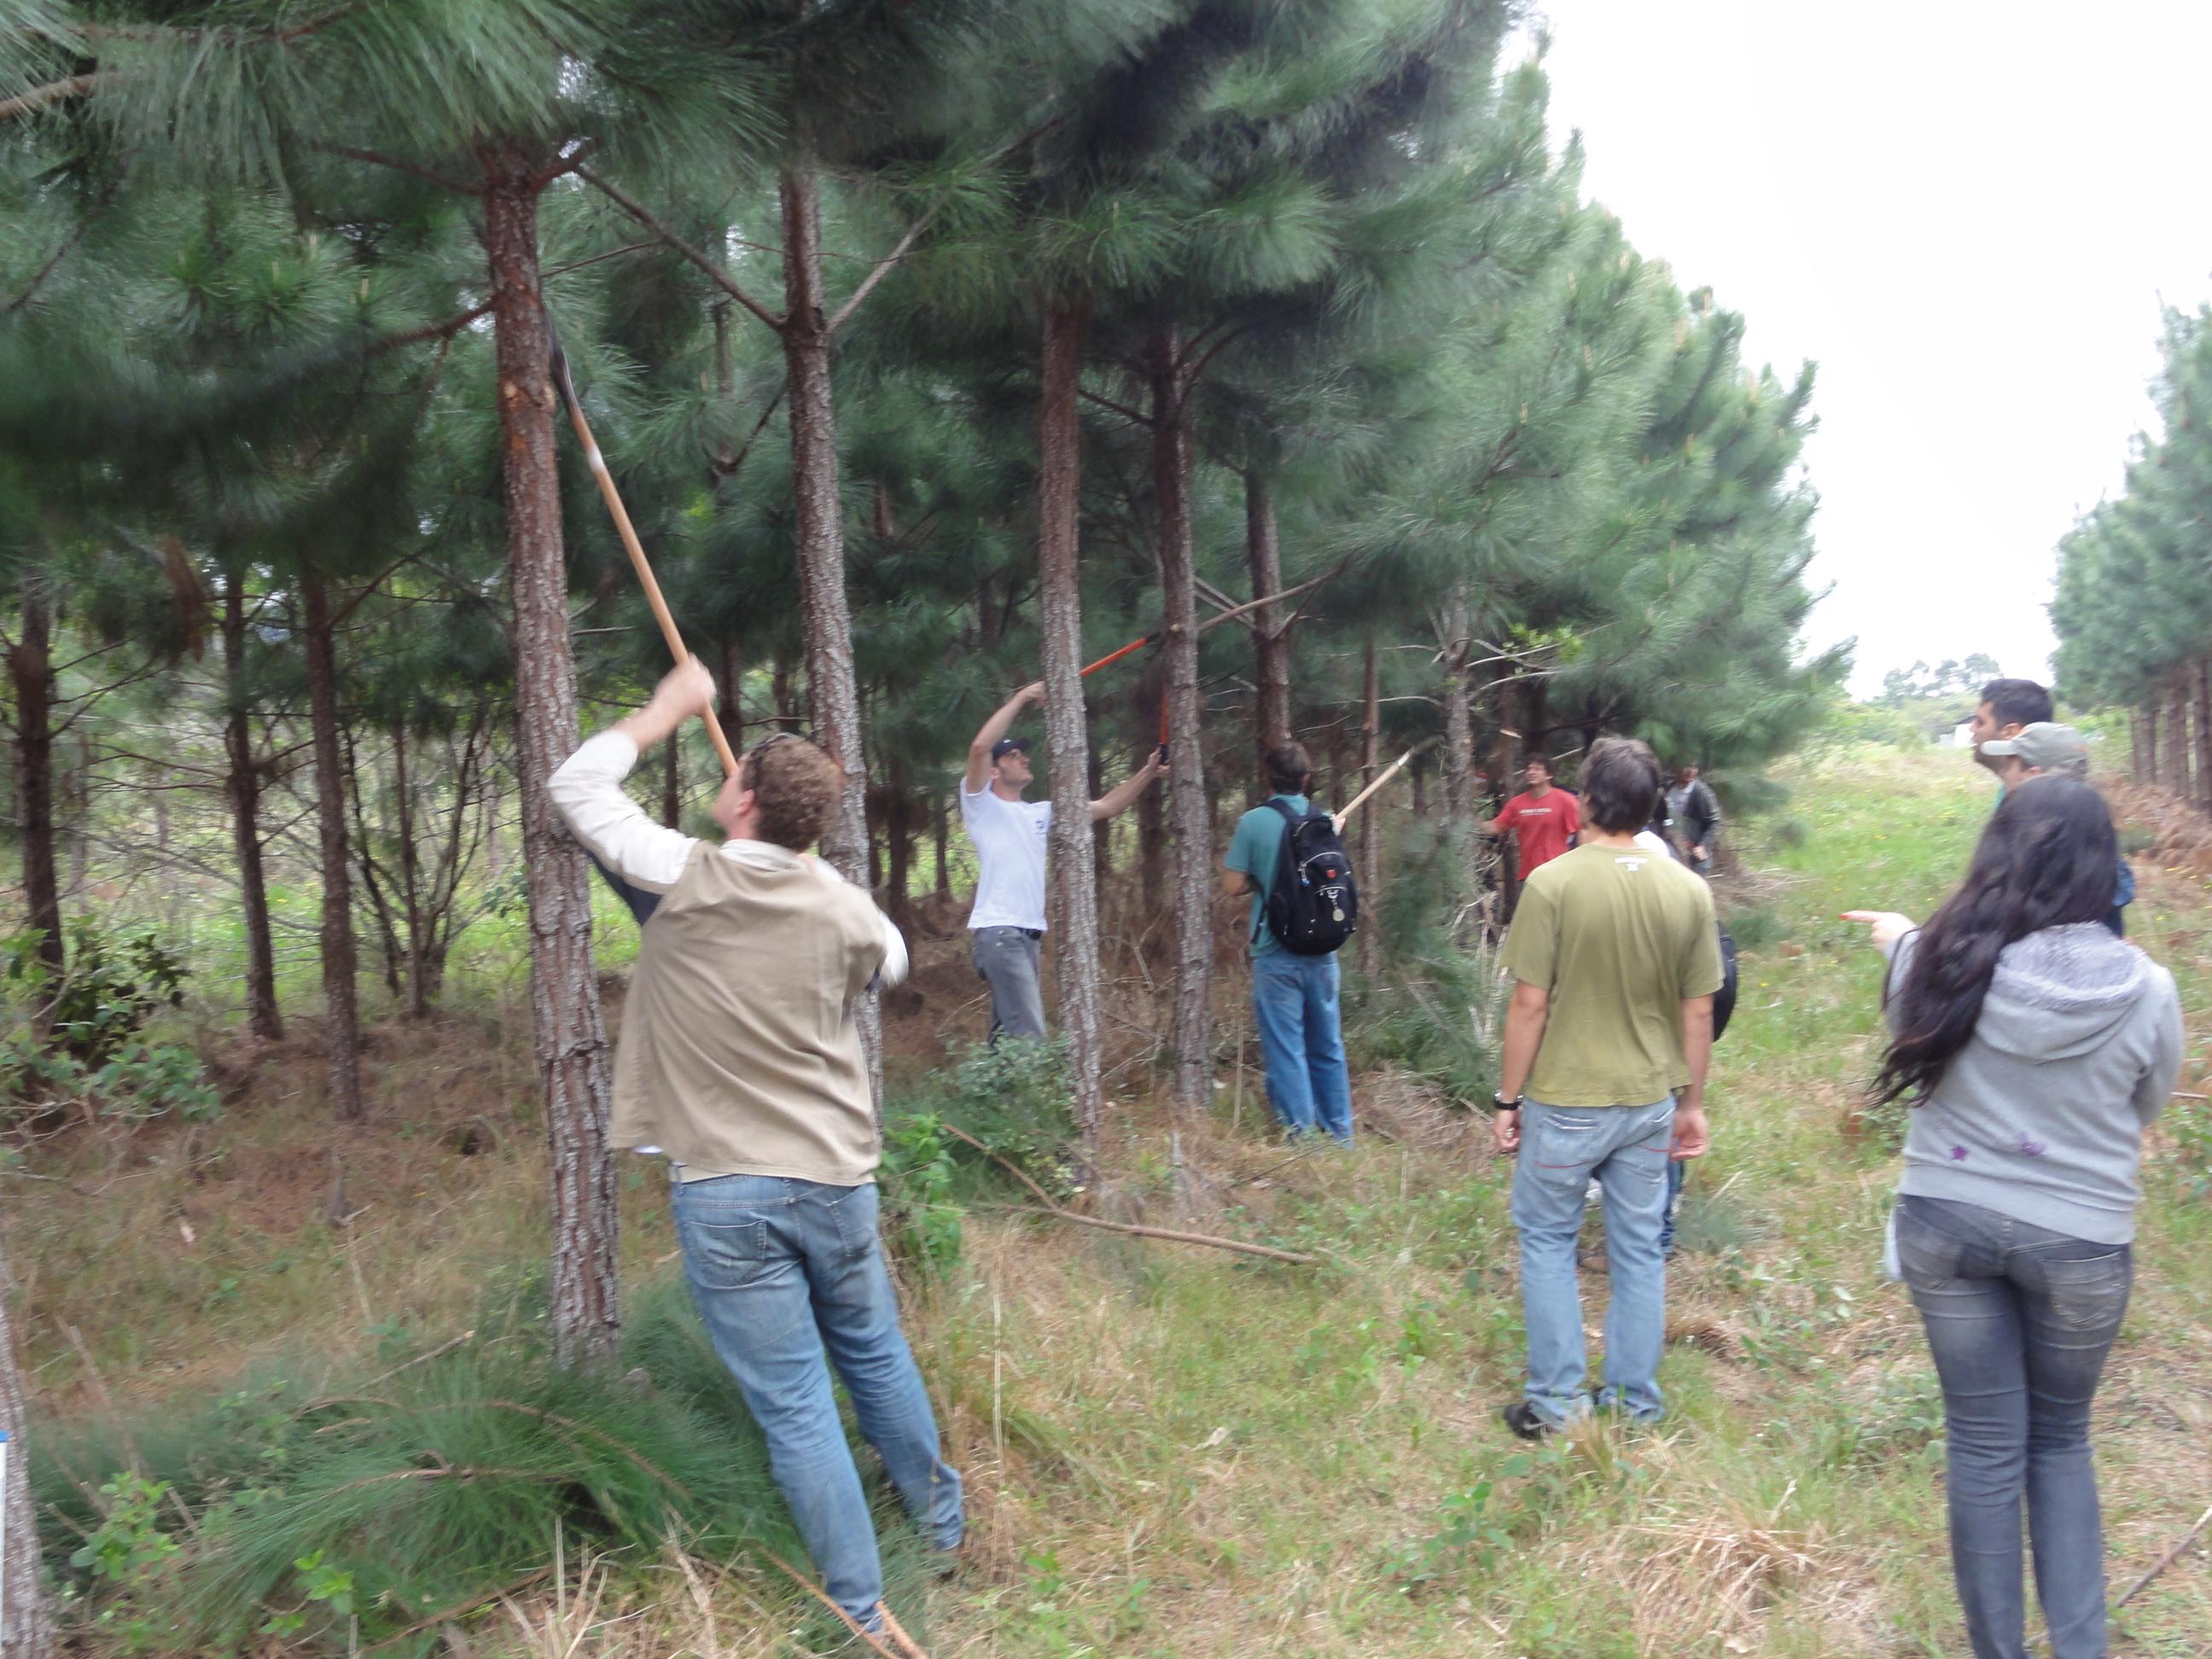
<point x="1620" y="785"/>
<point x="2017" y="702"/>
<point x="795" y="788"/>
<point x="1544" y="760"/>
<point x="1289" y="769"/>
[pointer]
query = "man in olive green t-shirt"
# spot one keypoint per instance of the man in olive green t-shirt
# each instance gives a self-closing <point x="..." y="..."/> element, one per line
<point x="1615" y="960"/>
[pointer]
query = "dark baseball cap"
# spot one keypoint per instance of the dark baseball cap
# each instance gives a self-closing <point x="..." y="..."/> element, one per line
<point x="1005" y="747"/>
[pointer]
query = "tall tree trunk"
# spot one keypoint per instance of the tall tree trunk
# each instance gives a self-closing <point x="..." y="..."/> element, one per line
<point x="672" y="782"/>
<point x="242" y="785"/>
<point x="411" y="878"/>
<point x="1101" y="833"/>
<point x="564" y="990"/>
<point x="1459" y="740"/>
<point x="1071" y="853"/>
<point x="784" y="691"/>
<point x="2175" y="768"/>
<point x="2147" y="719"/>
<point x="2203" y="675"/>
<point x="26" y="1631"/>
<point x="1263" y="553"/>
<point x="1151" y="850"/>
<point x="341" y="1004"/>
<point x="940" y="832"/>
<point x="825" y="612"/>
<point x="1189" y="811"/>
<point x="1371" y="761"/>
<point x="731" y="712"/>
<point x="31" y="667"/>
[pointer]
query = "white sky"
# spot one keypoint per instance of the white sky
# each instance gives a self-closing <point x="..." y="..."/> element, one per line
<point x="1966" y="213"/>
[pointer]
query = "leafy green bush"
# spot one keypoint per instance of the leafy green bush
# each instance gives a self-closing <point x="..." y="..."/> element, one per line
<point x="76" y="1035"/>
<point x="923" y="1224"/>
<point x="109" y="990"/>
<point x="1018" y="1100"/>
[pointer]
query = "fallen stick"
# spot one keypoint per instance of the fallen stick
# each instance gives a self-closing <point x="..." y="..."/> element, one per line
<point x="2166" y="1560"/>
<point x="1166" y="1233"/>
<point x="1062" y="1213"/>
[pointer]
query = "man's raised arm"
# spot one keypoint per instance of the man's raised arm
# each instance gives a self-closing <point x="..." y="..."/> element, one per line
<point x="1118" y="800"/>
<point x="586" y="791"/>
<point x="979" y="751"/>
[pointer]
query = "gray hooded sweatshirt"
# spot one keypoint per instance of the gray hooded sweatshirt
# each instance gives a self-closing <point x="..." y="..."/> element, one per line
<point x="2040" y="1116"/>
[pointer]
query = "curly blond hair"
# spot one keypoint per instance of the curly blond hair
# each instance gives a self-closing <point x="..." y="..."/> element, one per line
<point x="795" y="788"/>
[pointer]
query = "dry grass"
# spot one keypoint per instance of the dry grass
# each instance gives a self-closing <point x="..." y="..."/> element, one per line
<point x="1169" y="1452"/>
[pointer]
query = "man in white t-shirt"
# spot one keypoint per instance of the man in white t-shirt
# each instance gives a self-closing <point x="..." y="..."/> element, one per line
<point x="1007" y="923"/>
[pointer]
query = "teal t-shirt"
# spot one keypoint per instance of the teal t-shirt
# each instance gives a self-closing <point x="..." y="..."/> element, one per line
<point x="1253" y="849"/>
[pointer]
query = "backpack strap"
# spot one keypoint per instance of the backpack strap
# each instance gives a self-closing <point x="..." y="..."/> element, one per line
<point x="1291" y="820"/>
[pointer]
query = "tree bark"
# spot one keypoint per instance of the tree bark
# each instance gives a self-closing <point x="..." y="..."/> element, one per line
<point x="1071" y="850"/>
<point x="1263" y="554"/>
<point x="825" y="614"/>
<point x="1151" y="850"/>
<point x="1459" y="740"/>
<point x="1190" y="813"/>
<point x="2176" y="765"/>
<point x="940" y="832"/>
<point x="2147" y="719"/>
<point x="1370" y="762"/>
<point x="27" y="1630"/>
<point x="341" y="1004"/>
<point x="242" y="785"/>
<point x="2203" y="676"/>
<point x="671" y="783"/>
<point x="564" y="993"/>
<point x="411" y="878"/>
<point x="31" y="667"/>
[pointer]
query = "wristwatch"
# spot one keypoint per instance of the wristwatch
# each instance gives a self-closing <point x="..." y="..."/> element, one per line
<point x="1500" y="1103"/>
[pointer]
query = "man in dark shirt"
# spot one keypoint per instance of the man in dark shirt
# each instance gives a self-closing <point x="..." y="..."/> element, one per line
<point x="1697" y="814"/>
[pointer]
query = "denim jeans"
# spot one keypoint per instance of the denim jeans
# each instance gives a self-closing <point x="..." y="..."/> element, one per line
<point x="789" y="1277"/>
<point x="1561" y="1148"/>
<point x="1677" y="1172"/>
<point x="1007" y="958"/>
<point x="2020" y="1320"/>
<point x="1301" y="1043"/>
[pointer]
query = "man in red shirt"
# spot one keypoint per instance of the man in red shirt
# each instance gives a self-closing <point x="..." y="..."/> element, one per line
<point x="1541" y="818"/>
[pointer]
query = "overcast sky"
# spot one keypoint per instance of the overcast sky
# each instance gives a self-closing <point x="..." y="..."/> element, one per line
<point x="1966" y="213"/>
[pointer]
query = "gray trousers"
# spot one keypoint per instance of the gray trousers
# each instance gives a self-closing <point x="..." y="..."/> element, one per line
<point x="1007" y="958"/>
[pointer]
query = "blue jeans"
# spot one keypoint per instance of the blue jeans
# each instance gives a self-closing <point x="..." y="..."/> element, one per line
<point x="1561" y="1148"/>
<point x="2020" y="1320"/>
<point x="787" y="1274"/>
<point x="1007" y="958"/>
<point x="1294" y="1006"/>
<point x="1677" y="1171"/>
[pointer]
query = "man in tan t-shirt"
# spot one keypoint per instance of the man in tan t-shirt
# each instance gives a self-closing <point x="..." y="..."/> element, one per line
<point x="740" y="1059"/>
<point x="1615" y="960"/>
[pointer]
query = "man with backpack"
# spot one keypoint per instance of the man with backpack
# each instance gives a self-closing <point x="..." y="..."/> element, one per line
<point x="1288" y="858"/>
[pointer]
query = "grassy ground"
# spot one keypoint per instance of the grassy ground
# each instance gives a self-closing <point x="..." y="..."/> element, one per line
<point x="1171" y="1452"/>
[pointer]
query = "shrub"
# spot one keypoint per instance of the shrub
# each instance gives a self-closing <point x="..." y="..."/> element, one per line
<point x="1754" y="928"/>
<point x="76" y="1036"/>
<point x="299" y="1510"/>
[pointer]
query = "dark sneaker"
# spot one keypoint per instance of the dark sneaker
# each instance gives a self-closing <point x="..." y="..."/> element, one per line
<point x="1521" y="1418"/>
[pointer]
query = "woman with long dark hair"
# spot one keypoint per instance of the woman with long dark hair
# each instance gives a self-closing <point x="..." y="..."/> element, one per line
<point x="2034" y="1048"/>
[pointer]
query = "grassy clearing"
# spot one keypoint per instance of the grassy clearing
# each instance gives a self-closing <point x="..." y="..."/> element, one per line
<point x="1172" y="1453"/>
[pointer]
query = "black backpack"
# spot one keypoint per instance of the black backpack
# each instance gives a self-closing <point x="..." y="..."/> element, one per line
<point x="1312" y="906"/>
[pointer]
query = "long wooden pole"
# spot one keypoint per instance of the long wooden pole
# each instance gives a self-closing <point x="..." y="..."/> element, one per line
<point x="1382" y="778"/>
<point x="623" y="528"/>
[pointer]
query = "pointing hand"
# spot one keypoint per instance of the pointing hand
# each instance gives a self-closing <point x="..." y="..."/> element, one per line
<point x="1885" y="928"/>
